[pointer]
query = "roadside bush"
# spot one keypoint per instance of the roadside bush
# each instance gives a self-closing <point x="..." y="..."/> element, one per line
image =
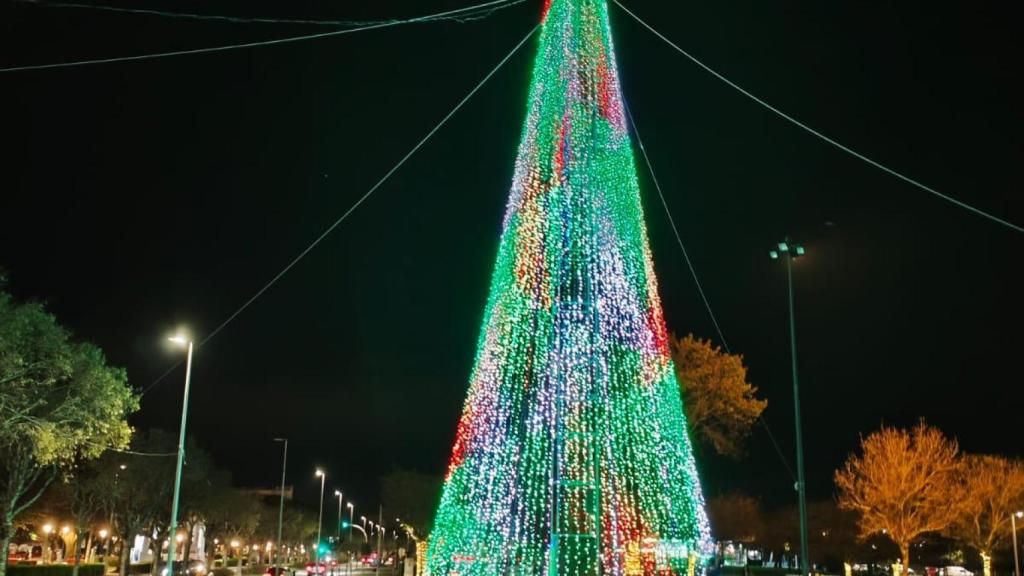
<point x="141" y="568"/>
<point x="54" y="570"/>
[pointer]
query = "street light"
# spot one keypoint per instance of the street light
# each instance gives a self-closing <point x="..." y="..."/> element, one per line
<point x="181" y="341"/>
<point x="280" y="510"/>
<point x="1013" y="524"/>
<point x="338" y="494"/>
<point x="351" y="512"/>
<point x="320" y="520"/>
<point x="788" y="252"/>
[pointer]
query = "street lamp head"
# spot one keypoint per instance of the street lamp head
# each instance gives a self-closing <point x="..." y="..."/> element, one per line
<point x="1020" y="514"/>
<point x="351" y="505"/>
<point x="180" y="538"/>
<point x="280" y="439"/>
<point x="337" y="493"/>
<point x="123" y="466"/>
<point x="320" y="473"/>
<point x="178" y="339"/>
<point x="799" y="250"/>
<point x="774" y="255"/>
<point x="103" y="533"/>
<point x="47" y="528"/>
<point x="783" y="247"/>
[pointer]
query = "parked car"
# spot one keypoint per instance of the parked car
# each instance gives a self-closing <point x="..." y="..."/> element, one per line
<point x="277" y="571"/>
<point x="955" y="571"/>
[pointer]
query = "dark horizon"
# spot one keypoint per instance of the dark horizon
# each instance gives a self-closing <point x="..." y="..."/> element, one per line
<point x="149" y="195"/>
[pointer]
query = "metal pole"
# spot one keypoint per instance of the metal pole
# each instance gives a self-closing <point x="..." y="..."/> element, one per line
<point x="801" y="487"/>
<point x="339" y="520"/>
<point x="320" y="520"/>
<point x="177" y="471"/>
<point x="1016" y="558"/>
<point x="280" y="510"/>
<point x="380" y="524"/>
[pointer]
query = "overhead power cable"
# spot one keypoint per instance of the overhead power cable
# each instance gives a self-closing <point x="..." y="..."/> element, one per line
<point x="821" y="136"/>
<point x="696" y="279"/>
<point x="461" y="15"/>
<point x="290" y="39"/>
<point x="358" y="202"/>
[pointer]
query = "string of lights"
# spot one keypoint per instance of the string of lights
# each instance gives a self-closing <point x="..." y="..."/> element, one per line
<point x="260" y="43"/>
<point x="356" y="205"/>
<point x="470" y="13"/>
<point x="571" y="456"/>
<point x="818" y="134"/>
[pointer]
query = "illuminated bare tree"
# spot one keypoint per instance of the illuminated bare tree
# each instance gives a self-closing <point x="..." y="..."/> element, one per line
<point x="992" y="488"/>
<point x="903" y="484"/>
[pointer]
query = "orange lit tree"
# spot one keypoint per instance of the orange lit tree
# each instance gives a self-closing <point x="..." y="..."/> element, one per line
<point x="903" y="484"/>
<point x="992" y="489"/>
<point x="721" y="406"/>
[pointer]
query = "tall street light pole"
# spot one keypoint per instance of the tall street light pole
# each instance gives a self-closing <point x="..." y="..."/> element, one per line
<point x="351" y="513"/>
<point x="280" y="510"/>
<point x="1013" y="524"/>
<point x="320" y="520"/>
<point x="172" y="533"/>
<point x="788" y="252"/>
<point x="338" y="532"/>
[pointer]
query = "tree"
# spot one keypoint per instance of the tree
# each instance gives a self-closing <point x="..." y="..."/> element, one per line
<point x="89" y="492"/>
<point x="60" y="404"/>
<point x="736" y="517"/>
<point x="831" y="534"/>
<point x="721" y="406"/>
<point x="140" y="488"/>
<point x="198" y="479"/>
<point x="232" y="514"/>
<point x="903" y="484"/>
<point x="992" y="489"/>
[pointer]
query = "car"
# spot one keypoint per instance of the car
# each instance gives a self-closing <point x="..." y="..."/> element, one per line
<point x="316" y="568"/>
<point x="277" y="571"/>
<point x="955" y="571"/>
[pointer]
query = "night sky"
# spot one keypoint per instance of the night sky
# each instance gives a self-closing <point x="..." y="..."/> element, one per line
<point x="141" y="196"/>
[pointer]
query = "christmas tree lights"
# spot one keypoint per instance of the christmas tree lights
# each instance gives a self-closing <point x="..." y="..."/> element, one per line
<point x="571" y="456"/>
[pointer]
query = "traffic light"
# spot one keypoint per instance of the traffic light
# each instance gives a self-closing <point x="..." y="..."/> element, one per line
<point x="344" y="524"/>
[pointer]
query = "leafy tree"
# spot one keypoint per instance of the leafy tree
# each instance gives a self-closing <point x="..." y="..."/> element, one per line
<point x="903" y="484"/>
<point x="736" y="517"/>
<point x="140" y="488"/>
<point x="832" y="535"/>
<point x="992" y="488"/>
<point x="60" y="404"/>
<point x="231" y="514"/>
<point x="721" y="406"/>
<point x="198" y="481"/>
<point x="89" y="493"/>
<point x="411" y="496"/>
<point x="299" y="526"/>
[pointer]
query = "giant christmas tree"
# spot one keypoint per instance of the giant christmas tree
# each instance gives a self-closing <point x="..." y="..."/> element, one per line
<point x="572" y="456"/>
